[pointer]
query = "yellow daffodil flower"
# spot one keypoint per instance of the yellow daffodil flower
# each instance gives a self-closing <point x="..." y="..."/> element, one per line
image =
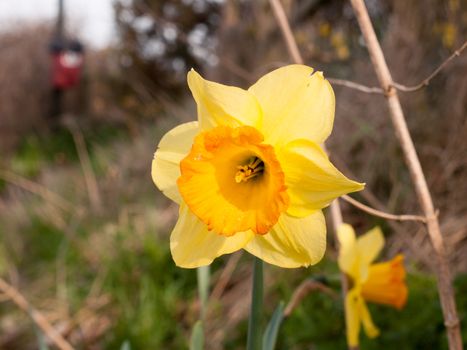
<point x="250" y="172"/>
<point x="382" y="283"/>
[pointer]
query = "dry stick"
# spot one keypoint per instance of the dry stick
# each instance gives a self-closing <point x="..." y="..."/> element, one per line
<point x="225" y="276"/>
<point x="336" y="215"/>
<point x="382" y="214"/>
<point x="401" y="87"/>
<point x="426" y="81"/>
<point x="294" y="52"/>
<point x="89" y="176"/>
<point x="244" y="74"/>
<point x="3" y="297"/>
<point x="284" y="25"/>
<point x="445" y="288"/>
<point x="36" y="316"/>
<point x="305" y="288"/>
<point x="356" y="86"/>
<point x="38" y="189"/>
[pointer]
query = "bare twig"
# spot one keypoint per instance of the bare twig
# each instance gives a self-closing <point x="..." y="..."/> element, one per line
<point x="294" y="52"/>
<point x="446" y="293"/>
<point x="89" y="176"/>
<point x="297" y="58"/>
<point x="37" y="189"/>
<point x="35" y="315"/>
<point x="3" y="297"/>
<point x="284" y="25"/>
<point x="426" y="81"/>
<point x="305" y="288"/>
<point x="382" y="214"/>
<point x="398" y="86"/>
<point x="236" y="69"/>
<point x="225" y="276"/>
<point x="246" y="75"/>
<point x="356" y="86"/>
<point x="337" y="221"/>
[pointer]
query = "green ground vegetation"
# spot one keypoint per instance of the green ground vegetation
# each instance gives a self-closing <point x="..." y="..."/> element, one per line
<point x="114" y="264"/>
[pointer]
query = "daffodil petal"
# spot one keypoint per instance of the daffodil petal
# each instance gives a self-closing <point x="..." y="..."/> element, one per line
<point x="348" y="257"/>
<point x="296" y="103"/>
<point x="192" y="245"/>
<point x="292" y="242"/>
<point x="173" y="147"/>
<point x="370" y="329"/>
<point x="386" y="283"/>
<point x="369" y="245"/>
<point x="352" y="317"/>
<point x="223" y="105"/>
<point x="312" y="181"/>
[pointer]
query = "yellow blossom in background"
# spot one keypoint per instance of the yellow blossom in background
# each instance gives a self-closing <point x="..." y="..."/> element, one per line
<point x="382" y="283"/>
<point x="250" y="173"/>
<point x="448" y="33"/>
<point x="324" y="29"/>
<point x="340" y="45"/>
<point x="454" y="5"/>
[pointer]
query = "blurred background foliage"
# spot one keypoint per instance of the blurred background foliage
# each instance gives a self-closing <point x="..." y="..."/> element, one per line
<point x="86" y="241"/>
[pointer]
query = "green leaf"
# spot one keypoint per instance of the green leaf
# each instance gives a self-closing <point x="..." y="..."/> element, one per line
<point x="270" y="335"/>
<point x="197" y="336"/>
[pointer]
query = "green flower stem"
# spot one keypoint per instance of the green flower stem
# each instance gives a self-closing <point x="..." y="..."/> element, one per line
<point x="203" y="274"/>
<point x="254" y="324"/>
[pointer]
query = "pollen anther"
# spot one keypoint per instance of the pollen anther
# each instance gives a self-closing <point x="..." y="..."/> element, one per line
<point x="246" y="172"/>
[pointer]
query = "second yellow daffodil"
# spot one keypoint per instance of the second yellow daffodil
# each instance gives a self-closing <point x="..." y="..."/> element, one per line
<point x="382" y="283"/>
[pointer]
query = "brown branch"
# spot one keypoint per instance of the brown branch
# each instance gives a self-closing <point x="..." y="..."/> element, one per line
<point x="336" y="213"/>
<point x="400" y="87"/>
<point x="297" y="58"/>
<point x="225" y="276"/>
<point x="294" y="52"/>
<point x="337" y="221"/>
<point x="426" y="81"/>
<point x="245" y="75"/>
<point x="35" y="315"/>
<point x="445" y="288"/>
<point x="236" y="69"/>
<point x="37" y="189"/>
<point x="286" y="31"/>
<point x="382" y="214"/>
<point x="3" y="297"/>
<point x="88" y="172"/>
<point x="356" y="86"/>
<point x="305" y="288"/>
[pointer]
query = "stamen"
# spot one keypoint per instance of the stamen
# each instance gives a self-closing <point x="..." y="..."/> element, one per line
<point x="254" y="168"/>
<point x="254" y="162"/>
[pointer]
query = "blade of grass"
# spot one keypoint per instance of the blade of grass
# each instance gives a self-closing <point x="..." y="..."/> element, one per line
<point x="197" y="336"/>
<point x="126" y="345"/>
<point x="272" y="330"/>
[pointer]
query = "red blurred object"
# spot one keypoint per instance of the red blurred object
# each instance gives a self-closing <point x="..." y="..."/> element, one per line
<point x="66" y="68"/>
